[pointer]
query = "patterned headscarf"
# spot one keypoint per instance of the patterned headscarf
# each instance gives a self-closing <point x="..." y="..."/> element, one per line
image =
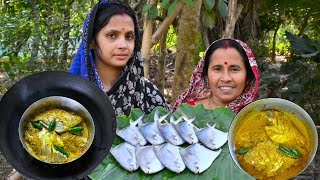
<point x="131" y="90"/>
<point x="199" y="88"/>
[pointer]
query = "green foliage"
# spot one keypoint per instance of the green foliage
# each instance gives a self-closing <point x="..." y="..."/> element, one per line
<point x="209" y="19"/>
<point x="208" y="16"/>
<point x="170" y="41"/>
<point x="172" y="7"/>
<point x="32" y="39"/>
<point x="222" y="168"/>
<point x="151" y="10"/>
<point x="298" y="79"/>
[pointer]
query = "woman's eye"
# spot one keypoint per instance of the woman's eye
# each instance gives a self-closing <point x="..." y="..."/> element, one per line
<point x="216" y="68"/>
<point x="130" y="36"/>
<point x="112" y="36"/>
<point x="235" y="69"/>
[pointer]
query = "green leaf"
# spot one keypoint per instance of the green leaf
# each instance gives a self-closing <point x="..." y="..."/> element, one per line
<point x="222" y="168"/>
<point x="209" y="4"/>
<point x="208" y="19"/>
<point x="165" y="4"/>
<point x="188" y="2"/>
<point x="153" y="12"/>
<point x="223" y="8"/>
<point x="146" y="8"/>
<point x="172" y="7"/>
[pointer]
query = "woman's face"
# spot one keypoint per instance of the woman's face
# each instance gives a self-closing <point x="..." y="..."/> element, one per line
<point x="115" y="42"/>
<point x="226" y="75"/>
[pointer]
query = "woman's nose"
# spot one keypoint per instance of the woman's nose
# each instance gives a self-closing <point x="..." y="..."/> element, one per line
<point x="122" y="43"/>
<point x="226" y="76"/>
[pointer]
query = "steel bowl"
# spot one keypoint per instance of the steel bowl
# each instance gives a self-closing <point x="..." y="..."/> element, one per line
<point x="59" y="102"/>
<point x="269" y="104"/>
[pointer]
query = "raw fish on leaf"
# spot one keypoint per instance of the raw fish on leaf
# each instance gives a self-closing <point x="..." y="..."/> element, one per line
<point x="211" y="137"/>
<point x="198" y="158"/>
<point x="131" y="133"/>
<point x="147" y="159"/>
<point x="170" y="133"/>
<point x="186" y="130"/>
<point x="169" y="156"/>
<point x="125" y="154"/>
<point x="151" y="131"/>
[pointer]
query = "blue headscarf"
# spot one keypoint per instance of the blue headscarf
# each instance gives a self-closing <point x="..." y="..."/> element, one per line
<point x="131" y="90"/>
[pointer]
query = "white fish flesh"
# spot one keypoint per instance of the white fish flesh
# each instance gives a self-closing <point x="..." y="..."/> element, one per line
<point x="147" y="160"/>
<point x="125" y="154"/>
<point x="198" y="158"/>
<point x="186" y="130"/>
<point x="169" y="156"/>
<point x="131" y="133"/>
<point x="151" y="131"/>
<point x="170" y="133"/>
<point x="211" y="137"/>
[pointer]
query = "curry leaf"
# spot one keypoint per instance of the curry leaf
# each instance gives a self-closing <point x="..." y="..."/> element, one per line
<point x="222" y="168"/>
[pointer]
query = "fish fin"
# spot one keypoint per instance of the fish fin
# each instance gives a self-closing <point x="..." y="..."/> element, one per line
<point x="196" y="128"/>
<point x="117" y="131"/>
<point x="187" y="119"/>
<point x="138" y="121"/>
<point x="213" y="126"/>
<point x="162" y="117"/>
<point x="156" y="115"/>
<point x="177" y="121"/>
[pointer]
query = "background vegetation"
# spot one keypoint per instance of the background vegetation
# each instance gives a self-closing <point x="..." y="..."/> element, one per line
<point x="43" y="35"/>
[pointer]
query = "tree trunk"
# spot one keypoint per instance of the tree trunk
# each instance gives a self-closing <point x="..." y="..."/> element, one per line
<point x="234" y="12"/>
<point x="36" y="38"/>
<point x="187" y="32"/>
<point x="274" y="40"/>
<point x="161" y="62"/>
<point x="146" y="42"/>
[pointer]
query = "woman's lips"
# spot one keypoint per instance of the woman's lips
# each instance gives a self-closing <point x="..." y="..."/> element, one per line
<point x="120" y="56"/>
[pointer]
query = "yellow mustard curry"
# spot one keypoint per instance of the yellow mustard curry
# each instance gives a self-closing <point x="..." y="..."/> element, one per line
<point x="272" y="144"/>
<point x="56" y="136"/>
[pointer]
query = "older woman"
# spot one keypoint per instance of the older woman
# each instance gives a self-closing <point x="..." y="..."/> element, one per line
<point x="226" y="75"/>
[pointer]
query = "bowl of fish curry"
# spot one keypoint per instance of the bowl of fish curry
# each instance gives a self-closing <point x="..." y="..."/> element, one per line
<point x="272" y="138"/>
<point x="56" y="130"/>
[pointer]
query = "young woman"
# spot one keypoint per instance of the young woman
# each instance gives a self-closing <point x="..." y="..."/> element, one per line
<point x="109" y="56"/>
<point x="226" y="75"/>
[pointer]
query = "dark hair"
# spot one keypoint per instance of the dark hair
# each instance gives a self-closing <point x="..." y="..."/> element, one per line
<point x="108" y="9"/>
<point x="228" y="43"/>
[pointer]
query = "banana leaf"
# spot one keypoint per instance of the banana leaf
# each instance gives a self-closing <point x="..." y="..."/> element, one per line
<point x="222" y="168"/>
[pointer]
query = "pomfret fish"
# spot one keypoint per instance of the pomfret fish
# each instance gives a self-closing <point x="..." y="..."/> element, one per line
<point x="198" y="158"/>
<point x="147" y="160"/>
<point x="170" y="133"/>
<point x="186" y="130"/>
<point x="211" y="137"/>
<point x="125" y="154"/>
<point x="151" y="131"/>
<point x="131" y="133"/>
<point x="169" y="156"/>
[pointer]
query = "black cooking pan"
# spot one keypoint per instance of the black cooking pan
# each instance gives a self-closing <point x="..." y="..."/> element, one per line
<point x="55" y="83"/>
